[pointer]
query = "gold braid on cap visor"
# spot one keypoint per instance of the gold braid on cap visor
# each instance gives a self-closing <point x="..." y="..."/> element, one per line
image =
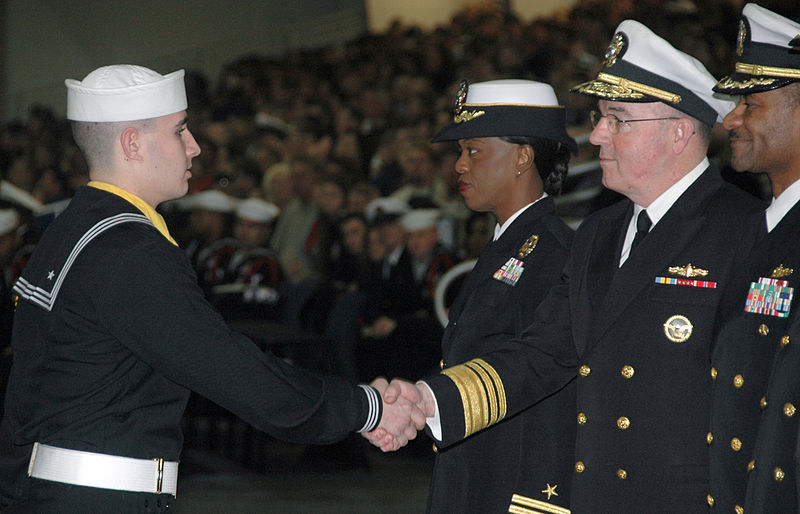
<point x="482" y="394"/>
<point x="757" y="69"/>
<point x="620" y="87"/>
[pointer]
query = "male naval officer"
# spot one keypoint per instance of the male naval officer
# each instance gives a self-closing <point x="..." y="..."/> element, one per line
<point x="112" y="332"/>
<point x="635" y="314"/>
<point x="756" y="390"/>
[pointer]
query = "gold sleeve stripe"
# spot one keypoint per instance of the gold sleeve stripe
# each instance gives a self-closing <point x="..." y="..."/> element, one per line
<point x="534" y="506"/>
<point x="757" y="69"/>
<point x="482" y="394"/>
<point x="500" y="391"/>
<point x="639" y="87"/>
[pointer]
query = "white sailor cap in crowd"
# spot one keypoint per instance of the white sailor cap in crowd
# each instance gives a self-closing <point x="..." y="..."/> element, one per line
<point x="385" y="209"/>
<point x="640" y="66"/>
<point x="418" y="219"/>
<point x="258" y="210"/>
<point x="212" y="200"/>
<point x="9" y="220"/>
<point x="768" y="47"/>
<point x="125" y="92"/>
<point x="507" y="108"/>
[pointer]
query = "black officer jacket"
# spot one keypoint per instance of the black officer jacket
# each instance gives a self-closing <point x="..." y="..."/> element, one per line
<point x="642" y="399"/>
<point x="524" y="454"/>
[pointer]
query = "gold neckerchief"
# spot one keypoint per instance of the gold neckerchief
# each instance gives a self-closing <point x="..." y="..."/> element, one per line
<point x="152" y="215"/>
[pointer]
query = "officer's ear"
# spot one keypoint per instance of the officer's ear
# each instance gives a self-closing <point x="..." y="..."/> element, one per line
<point x="130" y="141"/>
<point x="524" y="158"/>
<point x="682" y="133"/>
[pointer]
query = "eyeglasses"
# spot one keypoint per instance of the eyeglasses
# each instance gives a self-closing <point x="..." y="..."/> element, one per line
<point x="616" y="125"/>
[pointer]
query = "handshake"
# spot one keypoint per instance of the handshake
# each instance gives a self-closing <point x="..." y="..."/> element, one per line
<point x="405" y="407"/>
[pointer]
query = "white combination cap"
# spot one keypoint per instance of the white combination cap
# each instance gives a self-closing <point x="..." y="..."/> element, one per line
<point x="640" y="66"/>
<point x="508" y="107"/>
<point x="768" y="46"/>
<point x="125" y="92"/>
<point x="255" y="209"/>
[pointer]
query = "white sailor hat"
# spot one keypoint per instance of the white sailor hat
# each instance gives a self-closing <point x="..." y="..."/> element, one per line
<point x="640" y="66"/>
<point x="212" y="200"/>
<point x="418" y="219"/>
<point x="258" y="210"/>
<point x="507" y="108"/>
<point x="9" y="220"/>
<point x="125" y="92"/>
<point x="384" y="209"/>
<point x="768" y="47"/>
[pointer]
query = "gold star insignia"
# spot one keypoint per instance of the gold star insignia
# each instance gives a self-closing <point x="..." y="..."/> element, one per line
<point x="550" y="490"/>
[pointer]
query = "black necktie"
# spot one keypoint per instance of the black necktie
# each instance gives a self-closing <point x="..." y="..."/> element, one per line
<point x="643" y="225"/>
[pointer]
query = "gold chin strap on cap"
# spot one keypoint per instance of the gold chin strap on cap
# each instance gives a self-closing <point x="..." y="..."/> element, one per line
<point x="758" y="70"/>
<point x="639" y="87"/>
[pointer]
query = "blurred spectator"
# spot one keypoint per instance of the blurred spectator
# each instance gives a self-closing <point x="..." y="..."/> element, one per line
<point x="250" y="285"/>
<point x="210" y="218"/>
<point x="403" y="338"/>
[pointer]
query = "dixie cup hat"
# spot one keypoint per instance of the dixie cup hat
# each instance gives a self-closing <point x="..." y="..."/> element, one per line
<point x="125" y="92"/>
<point x="258" y="210"/>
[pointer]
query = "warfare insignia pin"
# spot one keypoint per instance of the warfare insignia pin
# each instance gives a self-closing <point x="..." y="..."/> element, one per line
<point x="688" y="271"/>
<point x="781" y="272"/>
<point x="678" y="328"/>
<point x="528" y="246"/>
<point x="510" y="272"/>
<point x="614" y="50"/>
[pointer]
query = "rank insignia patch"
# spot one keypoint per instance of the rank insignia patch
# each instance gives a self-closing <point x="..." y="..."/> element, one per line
<point x="528" y="246"/>
<point x="510" y="272"/>
<point x="769" y="296"/>
<point x="678" y="328"/>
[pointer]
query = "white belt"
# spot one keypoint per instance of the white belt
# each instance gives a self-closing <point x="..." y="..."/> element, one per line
<point x="101" y="470"/>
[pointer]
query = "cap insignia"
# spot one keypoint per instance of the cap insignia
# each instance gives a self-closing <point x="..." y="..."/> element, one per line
<point x="528" y="246"/>
<point x="688" y="271"/>
<point x="781" y="272"/>
<point x="461" y="96"/>
<point x="614" y="50"/>
<point x="462" y="115"/>
<point x="740" y="39"/>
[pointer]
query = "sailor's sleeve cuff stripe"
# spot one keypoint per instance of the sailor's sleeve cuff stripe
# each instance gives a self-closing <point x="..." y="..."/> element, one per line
<point x="375" y="408"/>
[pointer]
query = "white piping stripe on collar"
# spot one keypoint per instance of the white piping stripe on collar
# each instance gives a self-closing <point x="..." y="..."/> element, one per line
<point x="46" y="299"/>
